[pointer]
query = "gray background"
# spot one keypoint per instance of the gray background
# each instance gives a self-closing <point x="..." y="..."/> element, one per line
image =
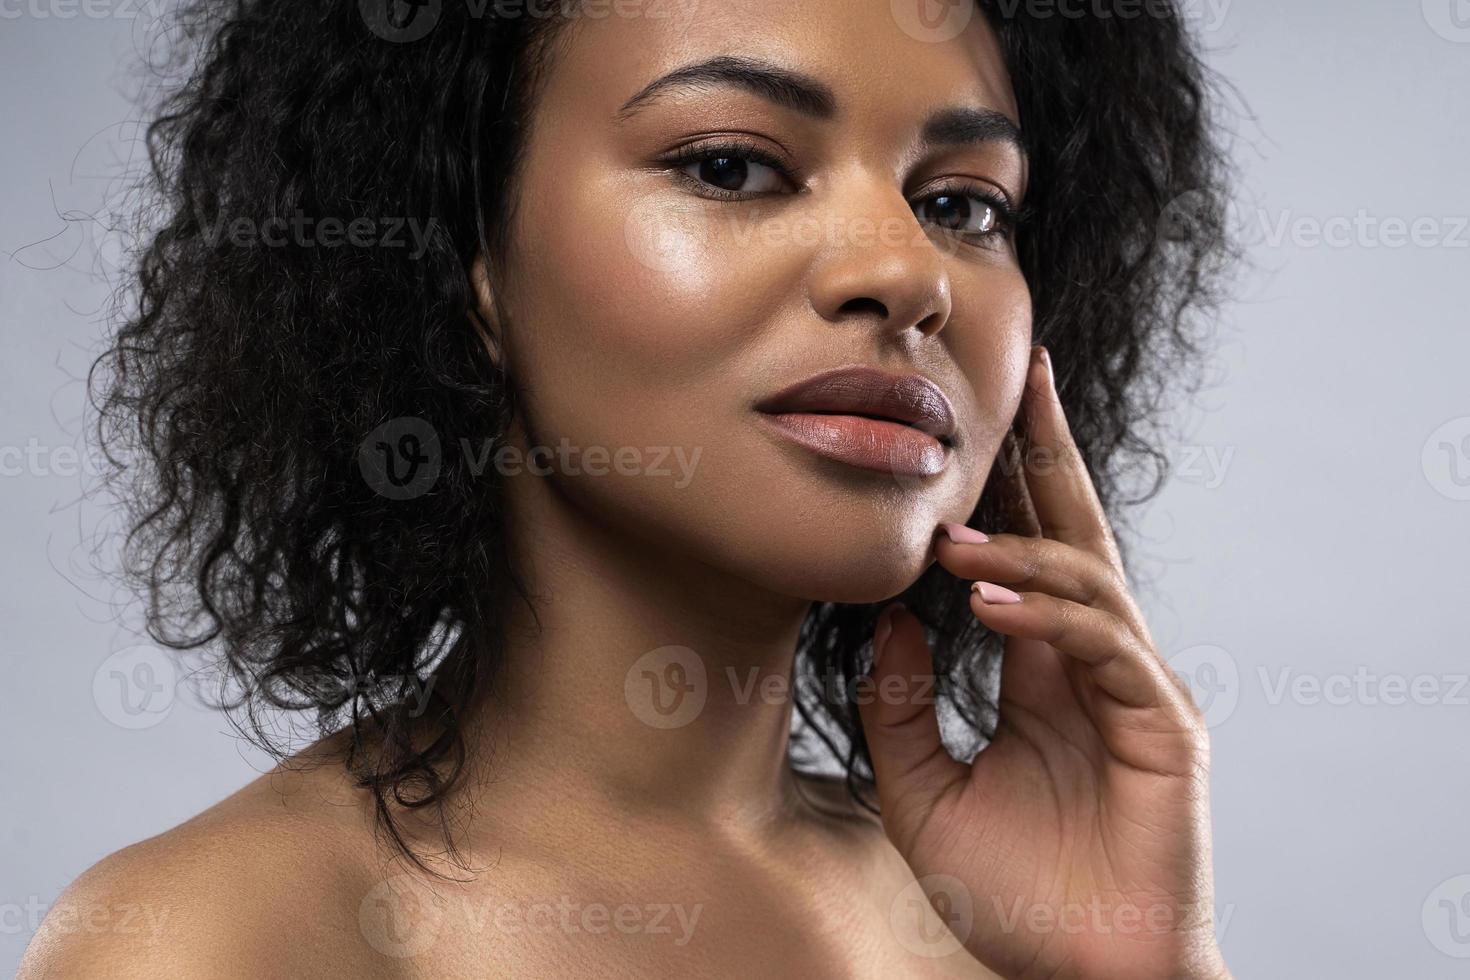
<point x="1306" y="560"/>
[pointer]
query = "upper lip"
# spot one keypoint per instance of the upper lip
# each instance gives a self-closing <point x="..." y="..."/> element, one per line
<point x="911" y="399"/>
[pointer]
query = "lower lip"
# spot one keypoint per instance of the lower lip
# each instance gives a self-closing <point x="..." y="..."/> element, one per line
<point x="870" y="444"/>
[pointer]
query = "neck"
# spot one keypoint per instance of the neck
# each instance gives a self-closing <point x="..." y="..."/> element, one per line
<point x="644" y="681"/>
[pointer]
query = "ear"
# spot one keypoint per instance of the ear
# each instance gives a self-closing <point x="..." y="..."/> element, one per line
<point x="485" y="316"/>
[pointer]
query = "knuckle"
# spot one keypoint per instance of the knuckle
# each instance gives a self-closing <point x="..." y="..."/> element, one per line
<point x="1105" y="575"/>
<point x="1098" y="541"/>
<point x="1121" y="635"/>
<point x="1060" y="618"/>
<point x="1029" y="560"/>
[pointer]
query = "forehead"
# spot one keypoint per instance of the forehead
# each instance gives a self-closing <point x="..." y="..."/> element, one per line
<point x="882" y="59"/>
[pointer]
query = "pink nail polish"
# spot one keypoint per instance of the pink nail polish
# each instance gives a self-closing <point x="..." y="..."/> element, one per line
<point x="961" y="534"/>
<point x="994" y="595"/>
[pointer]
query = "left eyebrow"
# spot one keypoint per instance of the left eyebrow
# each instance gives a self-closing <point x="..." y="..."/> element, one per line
<point x="801" y="93"/>
<point x="969" y="127"/>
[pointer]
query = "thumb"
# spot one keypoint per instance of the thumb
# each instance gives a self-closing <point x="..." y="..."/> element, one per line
<point x="911" y="765"/>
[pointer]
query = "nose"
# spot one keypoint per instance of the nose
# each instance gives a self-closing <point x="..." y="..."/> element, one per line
<point x="881" y="266"/>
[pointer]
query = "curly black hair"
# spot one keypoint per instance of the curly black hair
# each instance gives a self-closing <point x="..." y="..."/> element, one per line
<point x="242" y="381"/>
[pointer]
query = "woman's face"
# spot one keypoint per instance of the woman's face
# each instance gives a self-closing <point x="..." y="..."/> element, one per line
<point x="830" y="200"/>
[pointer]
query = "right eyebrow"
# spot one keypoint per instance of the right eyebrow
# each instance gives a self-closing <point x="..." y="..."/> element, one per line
<point x="785" y="87"/>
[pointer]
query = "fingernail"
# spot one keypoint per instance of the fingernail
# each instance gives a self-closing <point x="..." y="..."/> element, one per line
<point x="1044" y="356"/>
<point x="994" y="595"/>
<point x="884" y="630"/>
<point x="963" y="534"/>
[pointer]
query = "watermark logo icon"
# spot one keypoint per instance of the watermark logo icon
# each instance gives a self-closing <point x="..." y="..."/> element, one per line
<point x="1446" y="459"/>
<point x="400" y="459"/>
<point x="135" y="688"/>
<point x="400" y="21"/>
<point x="934" y="21"/>
<point x="658" y="234"/>
<point x="1213" y="678"/>
<point x="1450" y="19"/>
<point x="933" y="916"/>
<point x="1195" y="215"/>
<point x="400" y="917"/>
<point x="666" y="687"/>
<point x="1446" y="917"/>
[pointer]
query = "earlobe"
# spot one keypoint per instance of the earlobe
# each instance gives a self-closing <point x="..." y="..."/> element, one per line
<point x="484" y="315"/>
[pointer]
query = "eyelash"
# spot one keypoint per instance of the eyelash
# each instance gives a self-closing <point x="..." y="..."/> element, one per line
<point x="1008" y="217"/>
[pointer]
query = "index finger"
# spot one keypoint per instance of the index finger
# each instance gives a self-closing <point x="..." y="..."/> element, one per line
<point x="1062" y="493"/>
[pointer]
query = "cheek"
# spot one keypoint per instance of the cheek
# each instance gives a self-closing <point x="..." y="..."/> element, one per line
<point x="993" y="349"/>
<point x="633" y="302"/>
<point x="637" y="328"/>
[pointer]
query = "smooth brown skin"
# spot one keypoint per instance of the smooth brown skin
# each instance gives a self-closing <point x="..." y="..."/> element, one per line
<point x="1096" y="781"/>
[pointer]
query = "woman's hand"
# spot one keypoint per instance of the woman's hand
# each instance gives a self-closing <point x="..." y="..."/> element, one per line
<point x="1081" y="833"/>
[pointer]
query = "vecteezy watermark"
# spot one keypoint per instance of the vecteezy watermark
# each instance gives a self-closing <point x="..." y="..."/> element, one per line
<point x="1450" y="19"/>
<point x="1213" y="678"/>
<point x="91" y="918"/>
<point x="403" y="916"/>
<point x="1216" y="684"/>
<point x="136" y="688"/>
<point x="400" y="21"/>
<point x="1446" y="917"/>
<point x="670" y="686"/>
<point x="1193" y="215"/>
<point x="404" y="21"/>
<point x="933" y="916"/>
<point x="1208" y="15"/>
<point x="400" y="916"/>
<point x="664" y="233"/>
<point x="40" y="460"/>
<point x="770" y="688"/>
<point x="935" y="21"/>
<point x="139" y="687"/>
<point x="1204" y="465"/>
<point x="1364" y="686"/>
<point x="1099" y="917"/>
<point x="569" y="460"/>
<point x="1445" y="459"/>
<point x="1362" y="229"/>
<point x="84" y="9"/>
<point x="301" y="230"/>
<point x="400" y="459"/>
<point x="666" y="687"/>
<point x="403" y="459"/>
<point x="567" y="916"/>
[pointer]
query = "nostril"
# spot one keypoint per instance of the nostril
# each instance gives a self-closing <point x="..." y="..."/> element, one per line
<point x="865" y="304"/>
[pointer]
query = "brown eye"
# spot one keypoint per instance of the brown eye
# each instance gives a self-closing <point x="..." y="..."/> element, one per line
<point x="964" y="213"/>
<point x="735" y="174"/>
<point x="726" y="173"/>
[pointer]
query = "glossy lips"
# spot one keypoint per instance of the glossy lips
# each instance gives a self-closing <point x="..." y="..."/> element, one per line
<point x="891" y="423"/>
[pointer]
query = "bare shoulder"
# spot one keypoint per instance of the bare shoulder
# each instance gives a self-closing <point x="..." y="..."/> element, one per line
<point x="273" y="874"/>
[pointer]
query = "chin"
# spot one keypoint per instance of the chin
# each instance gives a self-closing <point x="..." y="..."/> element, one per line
<point x="869" y="556"/>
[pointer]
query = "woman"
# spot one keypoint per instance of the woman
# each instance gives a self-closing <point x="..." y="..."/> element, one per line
<point x="553" y="400"/>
